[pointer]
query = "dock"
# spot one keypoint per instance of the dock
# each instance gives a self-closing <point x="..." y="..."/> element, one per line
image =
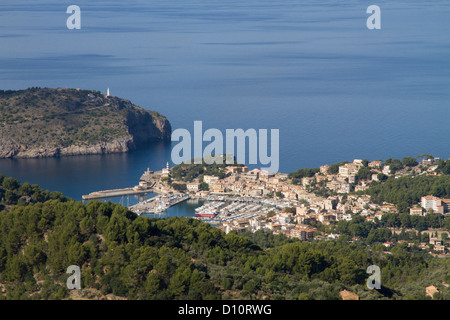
<point x="115" y="193"/>
<point x="158" y="204"/>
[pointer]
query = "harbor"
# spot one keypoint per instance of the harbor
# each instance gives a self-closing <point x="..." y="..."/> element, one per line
<point x="215" y="207"/>
<point x="224" y="209"/>
<point x="158" y="204"/>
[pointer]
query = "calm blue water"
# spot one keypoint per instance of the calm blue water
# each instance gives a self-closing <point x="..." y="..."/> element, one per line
<point x="336" y="90"/>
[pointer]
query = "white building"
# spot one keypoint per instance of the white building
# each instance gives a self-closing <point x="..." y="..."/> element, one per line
<point x="193" y="186"/>
<point x="165" y="171"/>
<point x="416" y="211"/>
<point x="433" y="203"/>
<point x="210" y="179"/>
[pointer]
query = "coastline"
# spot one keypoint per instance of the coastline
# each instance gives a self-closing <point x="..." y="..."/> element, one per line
<point x="47" y="122"/>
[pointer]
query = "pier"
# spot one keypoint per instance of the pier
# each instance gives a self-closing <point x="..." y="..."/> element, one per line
<point x="116" y="193"/>
<point x="159" y="203"/>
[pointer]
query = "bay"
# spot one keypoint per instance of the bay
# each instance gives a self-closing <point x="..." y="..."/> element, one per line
<point x="335" y="90"/>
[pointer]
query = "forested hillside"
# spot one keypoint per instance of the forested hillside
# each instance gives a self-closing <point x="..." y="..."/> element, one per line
<point x="45" y="122"/>
<point x="407" y="191"/>
<point x="123" y="255"/>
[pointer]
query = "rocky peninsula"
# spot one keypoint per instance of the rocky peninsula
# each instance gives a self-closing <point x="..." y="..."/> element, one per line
<point x="45" y="122"/>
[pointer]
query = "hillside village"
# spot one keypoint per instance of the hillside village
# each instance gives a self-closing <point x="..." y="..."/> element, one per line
<point x="310" y="207"/>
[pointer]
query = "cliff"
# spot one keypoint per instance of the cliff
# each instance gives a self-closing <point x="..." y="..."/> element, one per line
<point x="44" y="122"/>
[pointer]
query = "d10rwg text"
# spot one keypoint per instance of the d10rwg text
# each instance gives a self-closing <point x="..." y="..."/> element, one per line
<point x="235" y="309"/>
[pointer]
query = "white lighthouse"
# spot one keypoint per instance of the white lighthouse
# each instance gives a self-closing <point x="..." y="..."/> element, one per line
<point x="107" y="92"/>
<point x="165" y="172"/>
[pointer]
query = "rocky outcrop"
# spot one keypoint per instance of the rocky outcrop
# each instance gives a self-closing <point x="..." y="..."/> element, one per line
<point x="60" y="122"/>
<point x="115" y="146"/>
<point x="137" y="123"/>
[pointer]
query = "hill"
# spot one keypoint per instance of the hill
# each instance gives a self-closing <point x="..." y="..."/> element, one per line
<point x="122" y="255"/>
<point x="45" y="122"/>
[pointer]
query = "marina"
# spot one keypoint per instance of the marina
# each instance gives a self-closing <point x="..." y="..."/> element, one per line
<point x="158" y="204"/>
<point x="220" y="209"/>
<point x="210" y="207"/>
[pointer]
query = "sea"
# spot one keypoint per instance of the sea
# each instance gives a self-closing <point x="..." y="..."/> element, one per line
<point x="335" y="89"/>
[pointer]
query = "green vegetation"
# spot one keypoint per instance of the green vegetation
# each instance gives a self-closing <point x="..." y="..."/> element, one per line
<point x="181" y="187"/>
<point x="364" y="173"/>
<point x="179" y="258"/>
<point x="204" y="186"/>
<point x="394" y="165"/>
<point x="409" y="162"/>
<point x="403" y="191"/>
<point x="444" y="166"/>
<point x="47" y="118"/>
<point x="406" y="191"/>
<point x="12" y="192"/>
<point x="334" y="168"/>
<point x="377" y="232"/>
<point x="297" y="176"/>
<point x="135" y="257"/>
<point x="189" y="172"/>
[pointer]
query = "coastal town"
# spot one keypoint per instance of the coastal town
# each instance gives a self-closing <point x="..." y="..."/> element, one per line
<point x="251" y="200"/>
